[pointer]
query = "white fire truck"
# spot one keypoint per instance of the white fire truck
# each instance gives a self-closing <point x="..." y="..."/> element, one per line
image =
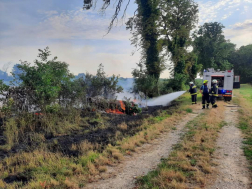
<point x="226" y="80"/>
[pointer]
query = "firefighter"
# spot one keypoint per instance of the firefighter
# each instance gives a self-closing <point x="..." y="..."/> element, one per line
<point x="205" y="94"/>
<point x="214" y="93"/>
<point x="193" y="92"/>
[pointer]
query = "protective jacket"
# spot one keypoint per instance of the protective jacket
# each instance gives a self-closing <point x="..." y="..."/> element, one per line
<point x="214" y="90"/>
<point x="193" y="89"/>
<point x="204" y="88"/>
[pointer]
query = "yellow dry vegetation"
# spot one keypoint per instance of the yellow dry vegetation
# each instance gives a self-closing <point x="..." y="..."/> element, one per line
<point x="123" y="126"/>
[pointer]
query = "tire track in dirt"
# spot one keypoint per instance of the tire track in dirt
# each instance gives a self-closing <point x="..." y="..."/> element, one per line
<point x="232" y="166"/>
<point x="148" y="157"/>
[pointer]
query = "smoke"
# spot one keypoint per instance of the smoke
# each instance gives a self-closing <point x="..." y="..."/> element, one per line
<point x="126" y="83"/>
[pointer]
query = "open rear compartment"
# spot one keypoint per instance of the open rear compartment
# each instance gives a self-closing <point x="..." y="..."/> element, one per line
<point x="220" y="83"/>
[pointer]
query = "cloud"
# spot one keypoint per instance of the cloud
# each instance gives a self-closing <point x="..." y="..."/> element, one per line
<point x="75" y="36"/>
<point x="65" y="25"/>
<point x="48" y="13"/>
<point x="223" y="9"/>
<point x="209" y="10"/>
<point x="226" y="16"/>
<point x="240" y="33"/>
<point x="243" y="25"/>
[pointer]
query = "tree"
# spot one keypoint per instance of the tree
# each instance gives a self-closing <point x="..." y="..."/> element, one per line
<point x="178" y="18"/>
<point x="192" y="67"/>
<point x="101" y="84"/>
<point x="144" y="29"/>
<point x="211" y="46"/>
<point x="241" y="61"/>
<point x="45" y="79"/>
<point x="145" y="34"/>
<point x="143" y="82"/>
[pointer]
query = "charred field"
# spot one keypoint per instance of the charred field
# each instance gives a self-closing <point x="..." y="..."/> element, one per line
<point x="99" y="129"/>
<point x="76" y="136"/>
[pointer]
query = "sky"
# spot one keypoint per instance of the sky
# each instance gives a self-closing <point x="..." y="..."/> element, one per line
<point x="78" y="37"/>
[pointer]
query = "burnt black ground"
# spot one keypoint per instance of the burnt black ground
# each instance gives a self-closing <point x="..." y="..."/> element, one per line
<point x="91" y="133"/>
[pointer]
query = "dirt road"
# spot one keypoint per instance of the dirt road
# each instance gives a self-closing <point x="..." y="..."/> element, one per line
<point x="232" y="164"/>
<point x="123" y="176"/>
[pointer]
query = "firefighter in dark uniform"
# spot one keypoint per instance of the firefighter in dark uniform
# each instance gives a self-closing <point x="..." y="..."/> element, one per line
<point x="193" y="92"/>
<point x="205" y="94"/>
<point x="214" y="93"/>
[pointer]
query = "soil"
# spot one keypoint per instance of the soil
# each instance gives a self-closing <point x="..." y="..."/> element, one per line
<point x="232" y="166"/>
<point x="146" y="159"/>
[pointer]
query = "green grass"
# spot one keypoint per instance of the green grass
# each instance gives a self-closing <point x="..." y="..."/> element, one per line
<point x="91" y="157"/>
<point x="246" y="91"/>
<point x="222" y="124"/>
<point x="189" y="110"/>
<point x="243" y="125"/>
<point x="244" y="99"/>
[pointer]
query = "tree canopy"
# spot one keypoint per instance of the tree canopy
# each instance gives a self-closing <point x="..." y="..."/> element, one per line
<point x="45" y="78"/>
<point x="162" y="28"/>
<point x="211" y="46"/>
<point x="241" y="60"/>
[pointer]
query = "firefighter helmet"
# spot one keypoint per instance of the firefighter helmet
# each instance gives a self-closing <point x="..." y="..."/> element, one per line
<point x="205" y="81"/>
<point x="214" y="81"/>
<point x="191" y="83"/>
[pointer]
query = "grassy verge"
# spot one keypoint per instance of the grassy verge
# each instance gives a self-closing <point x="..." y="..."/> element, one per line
<point x="43" y="168"/>
<point x="190" y="162"/>
<point x="244" y="99"/>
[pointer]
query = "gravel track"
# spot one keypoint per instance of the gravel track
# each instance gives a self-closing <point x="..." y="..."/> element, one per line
<point x="232" y="166"/>
<point x="146" y="159"/>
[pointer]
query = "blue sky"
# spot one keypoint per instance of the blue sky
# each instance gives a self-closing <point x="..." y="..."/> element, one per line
<point x="77" y="37"/>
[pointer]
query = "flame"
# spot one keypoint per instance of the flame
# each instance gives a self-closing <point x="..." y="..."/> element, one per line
<point x="122" y="105"/>
<point x="115" y="111"/>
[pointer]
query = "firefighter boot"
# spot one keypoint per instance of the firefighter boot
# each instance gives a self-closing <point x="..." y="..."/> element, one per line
<point x="203" y="107"/>
<point x="207" y="106"/>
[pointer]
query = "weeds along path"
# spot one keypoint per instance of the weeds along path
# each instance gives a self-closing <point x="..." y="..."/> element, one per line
<point x="146" y="159"/>
<point x="232" y="166"/>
